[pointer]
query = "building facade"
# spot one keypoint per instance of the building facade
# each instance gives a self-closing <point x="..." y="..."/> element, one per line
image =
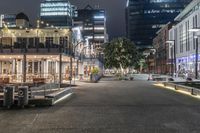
<point x="8" y="19"/>
<point x="93" y="23"/>
<point x="51" y="53"/>
<point x="32" y="53"/>
<point x="163" y="59"/>
<point x="145" y="17"/>
<point x="57" y="12"/>
<point x="186" y="40"/>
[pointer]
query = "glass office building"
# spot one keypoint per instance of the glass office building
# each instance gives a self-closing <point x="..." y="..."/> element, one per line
<point x="93" y="22"/>
<point x="57" y="12"/>
<point x="145" y="17"/>
<point x="8" y="20"/>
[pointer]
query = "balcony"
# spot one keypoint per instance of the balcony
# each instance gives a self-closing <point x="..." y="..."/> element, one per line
<point x="19" y="48"/>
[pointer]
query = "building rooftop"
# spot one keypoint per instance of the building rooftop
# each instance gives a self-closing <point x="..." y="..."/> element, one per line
<point x="194" y="5"/>
<point x="21" y="15"/>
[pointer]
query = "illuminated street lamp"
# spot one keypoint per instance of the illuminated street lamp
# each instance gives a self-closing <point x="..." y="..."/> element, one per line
<point x="197" y="47"/>
<point x="173" y="67"/>
<point x="74" y="54"/>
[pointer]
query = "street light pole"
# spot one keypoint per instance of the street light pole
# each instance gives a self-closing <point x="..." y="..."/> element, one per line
<point x="171" y="63"/>
<point x="196" y="30"/>
<point x="196" y="60"/>
<point x="74" y="54"/>
<point x="173" y="50"/>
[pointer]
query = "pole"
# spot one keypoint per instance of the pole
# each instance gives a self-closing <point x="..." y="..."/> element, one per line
<point x="24" y="68"/>
<point x="174" y="58"/>
<point x="171" y="62"/>
<point x="196" y="62"/>
<point x="74" y="70"/>
<point x="70" y="70"/>
<point x="60" y="69"/>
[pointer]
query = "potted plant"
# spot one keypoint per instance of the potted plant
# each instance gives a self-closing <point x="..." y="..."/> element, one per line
<point x="94" y="74"/>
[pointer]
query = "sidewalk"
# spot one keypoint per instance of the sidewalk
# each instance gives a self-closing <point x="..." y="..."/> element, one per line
<point x="146" y="76"/>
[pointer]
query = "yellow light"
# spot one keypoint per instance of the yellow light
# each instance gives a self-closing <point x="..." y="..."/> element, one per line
<point x="180" y="91"/>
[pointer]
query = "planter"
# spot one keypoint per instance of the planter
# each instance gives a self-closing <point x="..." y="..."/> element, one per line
<point x="94" y="78"/>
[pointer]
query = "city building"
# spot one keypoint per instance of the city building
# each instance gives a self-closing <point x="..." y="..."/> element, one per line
<point x="163" y="60"/>
<point x="31" y="53"/>
<point x="57" y="12"/>
<point x="184" y="38"/>
<point x="8" y="19"/>
<point x="93" y="24"/>
<point x="145" y="17"/>
<point x="50" y="53"/>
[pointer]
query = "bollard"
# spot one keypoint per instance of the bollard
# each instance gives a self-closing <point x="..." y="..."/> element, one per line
<point x="22" y="96"/>
<point x="8" y="96"/>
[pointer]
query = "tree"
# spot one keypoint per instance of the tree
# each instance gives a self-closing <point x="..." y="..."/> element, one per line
<point x="121" y="53"/>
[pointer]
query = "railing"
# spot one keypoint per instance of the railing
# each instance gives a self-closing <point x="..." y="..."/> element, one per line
<point x="41" y="47"/>
<point x="49" y="78"/>
<point x="44" y="89"/>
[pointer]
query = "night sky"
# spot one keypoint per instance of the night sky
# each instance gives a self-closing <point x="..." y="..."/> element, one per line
<point x="115" y="10"/>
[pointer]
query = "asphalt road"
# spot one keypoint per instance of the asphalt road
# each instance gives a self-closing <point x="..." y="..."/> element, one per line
<point x="110" y="107"/>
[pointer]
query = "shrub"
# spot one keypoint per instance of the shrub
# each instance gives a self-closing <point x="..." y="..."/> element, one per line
<point x="95" y="70"/>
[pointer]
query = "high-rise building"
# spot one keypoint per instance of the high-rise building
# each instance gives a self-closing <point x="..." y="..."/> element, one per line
<point x="57" y="12"/>
<point x="145" y="17"/>
<point x="8" y="19"/>
<point x="93" y="23"/>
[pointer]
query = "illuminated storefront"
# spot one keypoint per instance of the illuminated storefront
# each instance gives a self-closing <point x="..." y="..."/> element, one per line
<point x="35" y="53"/>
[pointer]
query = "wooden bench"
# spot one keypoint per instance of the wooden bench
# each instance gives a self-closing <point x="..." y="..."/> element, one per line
<point x="39" y="80"/>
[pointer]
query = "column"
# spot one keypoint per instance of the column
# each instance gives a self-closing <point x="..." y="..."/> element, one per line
<point x="77" y="68"/>
<point x="0" y="67"/>
<point x="24" y="68"/>
<point x="71" y="69"/>
<point x="19" y="70"/>
<point x="33" y="70"/>
<point x="13" y="66"/>
<point x="42" y="67"/>
<point x="60" y="68"/>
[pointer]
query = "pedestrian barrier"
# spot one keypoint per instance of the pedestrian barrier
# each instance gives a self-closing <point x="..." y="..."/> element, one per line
<point x="192" y="90"/>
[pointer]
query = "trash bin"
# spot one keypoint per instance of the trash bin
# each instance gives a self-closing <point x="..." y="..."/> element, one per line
<point x="22" y="96"/>
<point x="8" y="96"/>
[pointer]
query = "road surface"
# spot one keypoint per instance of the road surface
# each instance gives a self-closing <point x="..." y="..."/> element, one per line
<point x="110" y="107"/>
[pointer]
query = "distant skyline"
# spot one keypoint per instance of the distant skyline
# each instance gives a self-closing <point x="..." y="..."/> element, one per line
<point x="115" y="10"/>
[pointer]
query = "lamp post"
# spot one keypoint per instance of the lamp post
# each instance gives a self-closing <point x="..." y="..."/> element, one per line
<point x="173" y="47"/>
<point x="74" y="54"/>
<point x="197" y="56"/>
<point x="196" y="30"/>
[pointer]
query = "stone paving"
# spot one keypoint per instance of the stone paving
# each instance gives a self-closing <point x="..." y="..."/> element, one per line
<point x="110" y="107"/>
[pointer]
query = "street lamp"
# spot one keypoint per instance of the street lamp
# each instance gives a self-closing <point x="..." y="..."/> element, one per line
<point x="173" y="67"/>
<point x="197" y="47"/>
<point x="74" y="54"/>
